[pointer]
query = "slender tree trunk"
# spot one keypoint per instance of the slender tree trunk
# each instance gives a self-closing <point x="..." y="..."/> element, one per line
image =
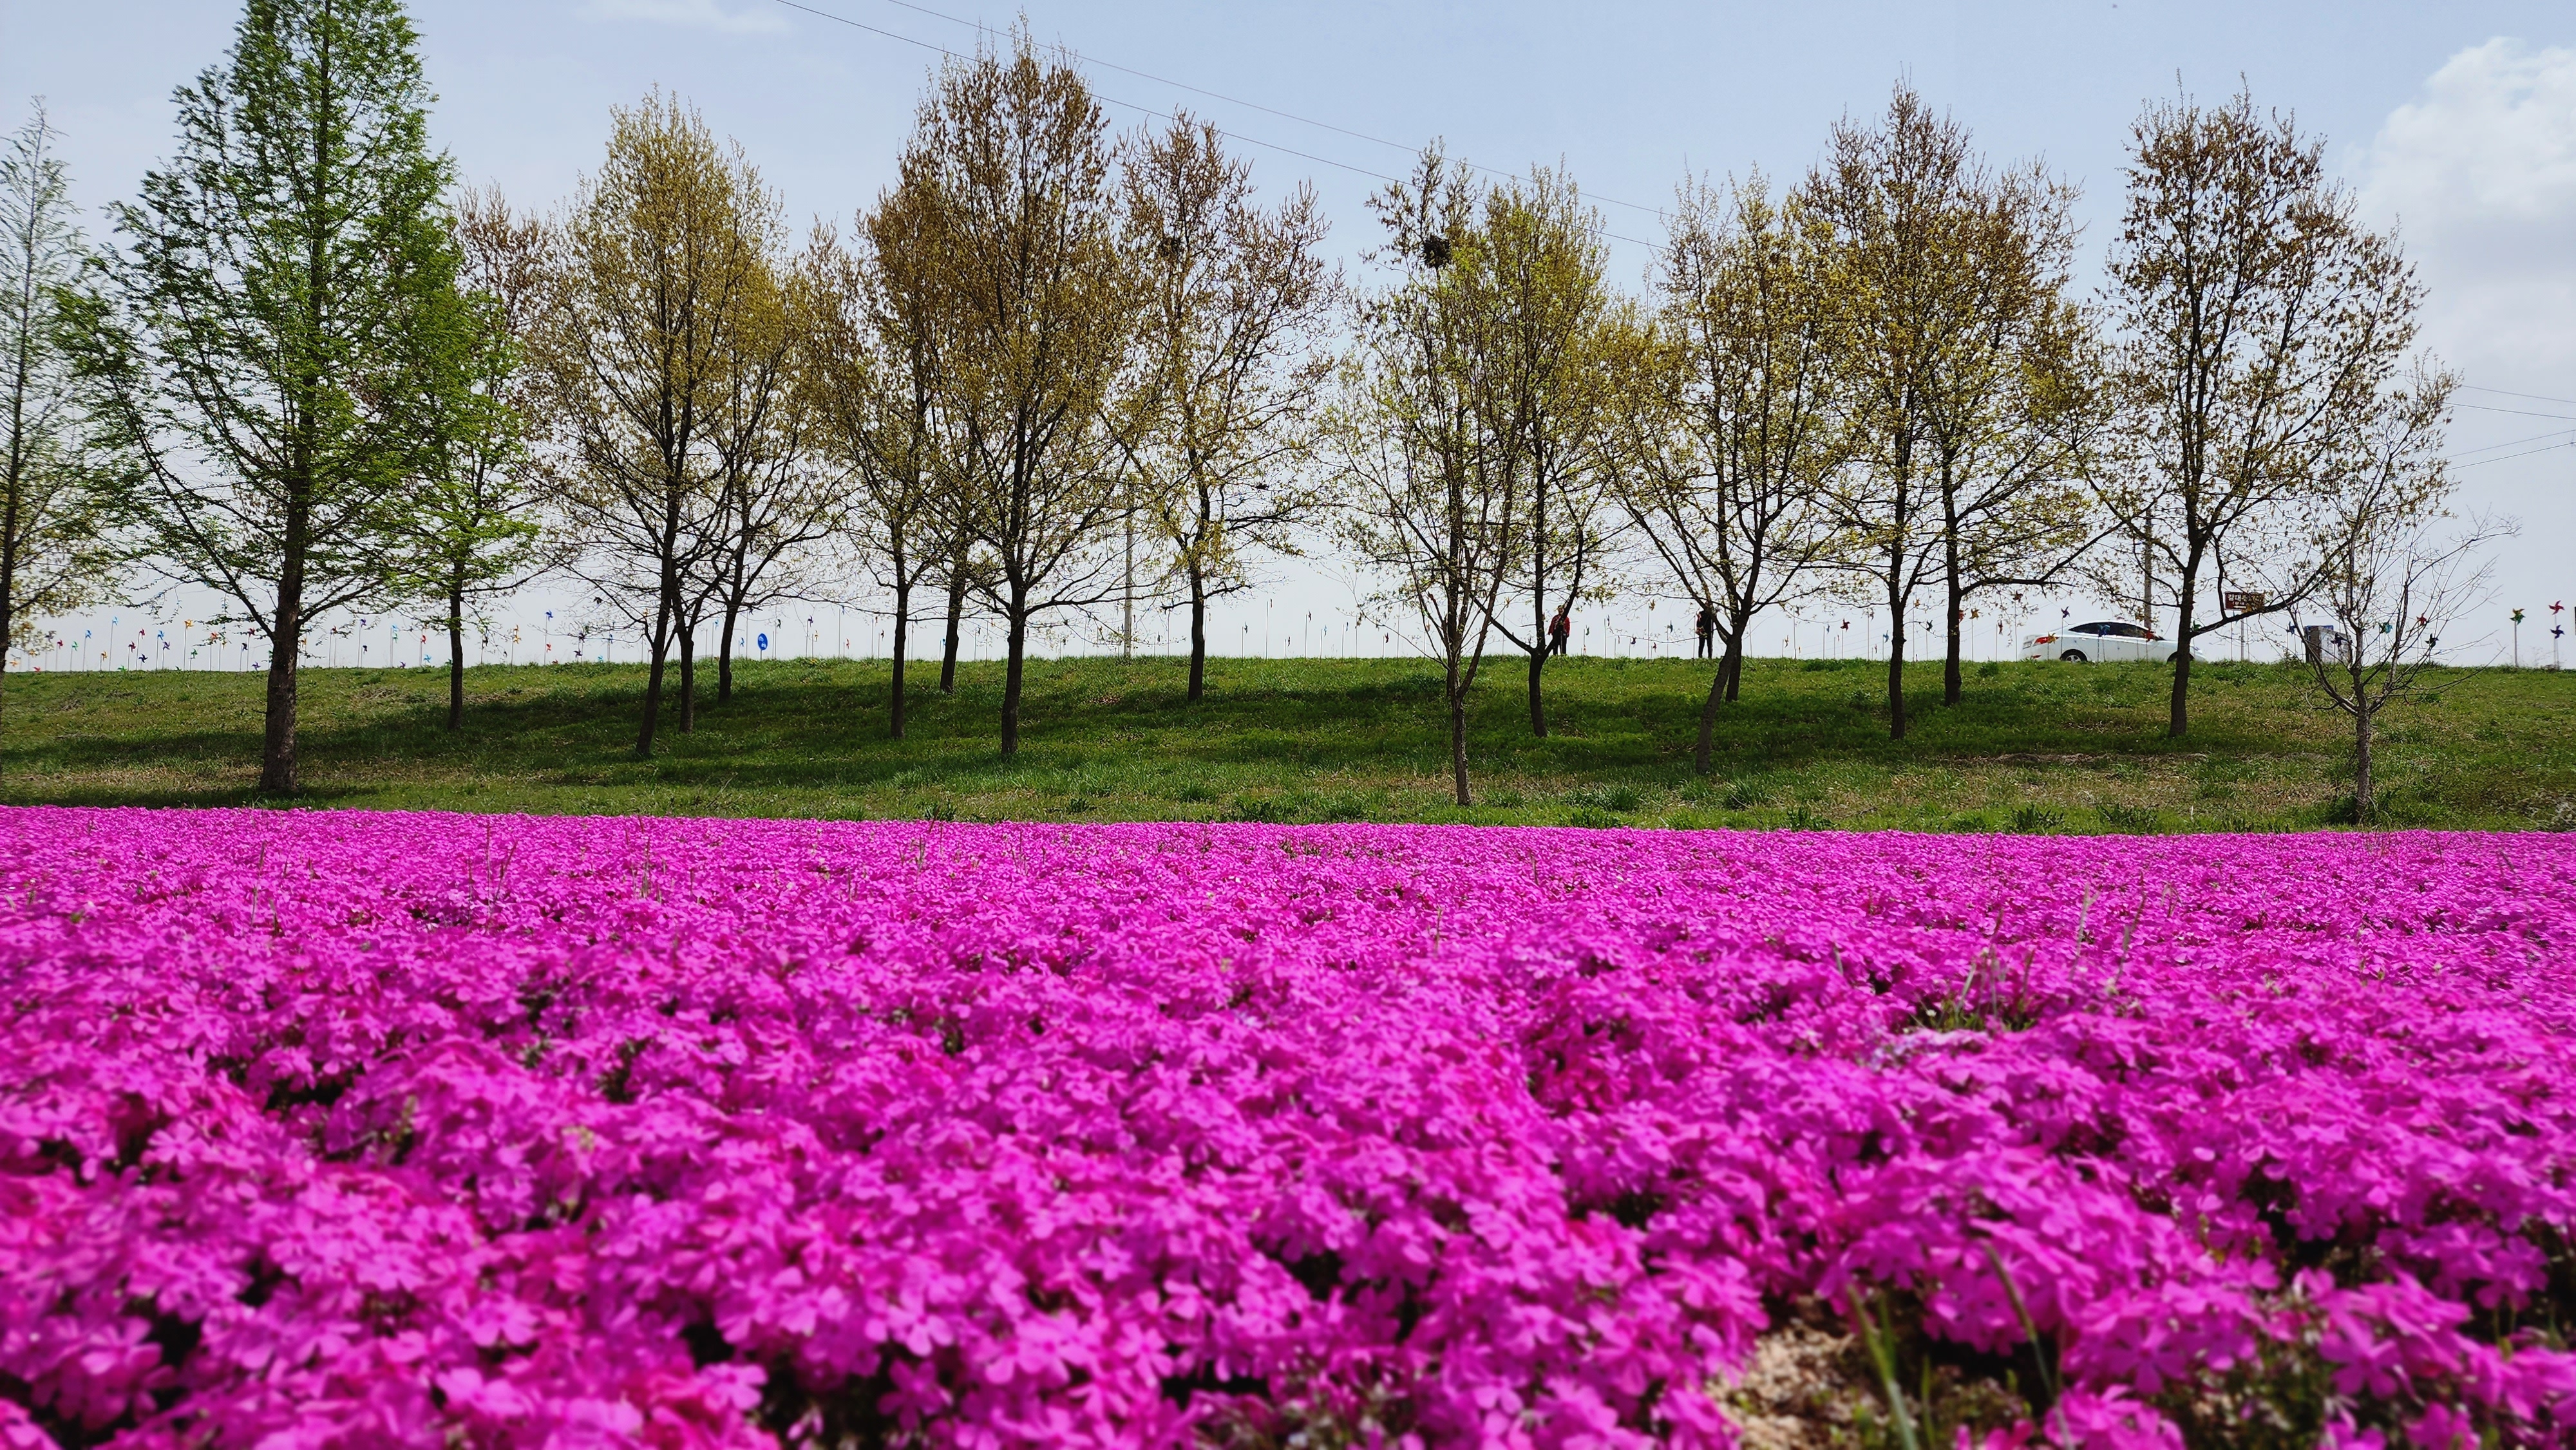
<point x="724" y="654"/>
<point x="9" y="540"/>
<point x="277" y="774"/>
<point x="2184" y="588"/>
<point x="688" y="678"/>
<point x="455" y="654"/>
<point x="277" y="748"/>
<point x="1012" y="673"/>
<point x="956" y="624"/>
<point x="1458" y="737"/>
<point x="1731" y="669"/>
<point x="1953" y="685"/>
<point x="1894" y="579"/>
<point x="1895" y="662"/>
<point x="1704" y="754"/>
<point x="1540" y="640"/>
<point x="1198" y="632"/>
<point x="653" y="678"/>
<point x="902" y="631"/>
<point x="23" y="364"/>
<point x="1954" y="617"/>
<point x="2361" y="732"/>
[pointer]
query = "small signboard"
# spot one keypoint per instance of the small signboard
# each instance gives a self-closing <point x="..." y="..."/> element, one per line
<point x="2245" y="603"/>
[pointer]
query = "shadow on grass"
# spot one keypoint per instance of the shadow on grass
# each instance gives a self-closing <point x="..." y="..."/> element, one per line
<point x="1290" y="739"/>
<point x="795" y="727"/>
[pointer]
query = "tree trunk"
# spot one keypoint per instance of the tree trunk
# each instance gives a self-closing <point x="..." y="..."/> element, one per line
<point x="688" y="678"/>
<point x="277" y="774"/>
<point x="277" y="748"/>
<point x="1954" y="617"/>
<point x="455" y="655"/>
<point x="1537" y="703"/>
<point x="2184" y="588"/>
<point x="653" y="678"/>
<point x="1458" y="739"/>
<point x="18" y="384"/>
<point x="1198" y="633"/>
<point x="1731" y="668"/>
<point x="902" y="632"/>
<point x="1952" y="684"/>
<point x="956" y="623"/>
<point x="9" y="542"/>
<point x="2361" y="732"/>
<point x="1703" y="756"/>
<point x="1540" y="640"/>
<point x="1012" y="674"/>
<point x="1895" y="666"/>
<point x="724" y="656"/>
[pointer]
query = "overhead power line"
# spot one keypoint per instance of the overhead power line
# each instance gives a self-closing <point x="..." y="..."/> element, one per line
<point x="2507" y="393"/>
<point x="1097" y="95"/>
<point x="1169" y="116"/>
<point x="1653" y="211"/>
<point x="2512" y="443"/>
<point x="2546" y="448"/>
<point x="2519" y="412"/>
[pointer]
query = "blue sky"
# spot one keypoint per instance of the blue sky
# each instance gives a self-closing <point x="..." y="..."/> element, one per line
<point x="2456" y="121"/>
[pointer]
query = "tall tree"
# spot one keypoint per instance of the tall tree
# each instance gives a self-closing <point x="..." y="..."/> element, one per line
<point x="2393" y="574"/>
<point x="2012" y="401"/>
<point x="1899" y="197"/>
<point x="658" y="268"/>
<point x="1239" y="296"/>
<point x="1547" y="313"/>
<point x="870" y="383"/>
<point x="1727" y="414"/>
<point x="279" y="325"/>
<point x="1039" y="301"/>
<point x="2260" y="326"/>
<point x="474" y="531"/>
<point x="52" y="556"/>
<point x="778" y="500"/>
<point x="1432" y="499"/>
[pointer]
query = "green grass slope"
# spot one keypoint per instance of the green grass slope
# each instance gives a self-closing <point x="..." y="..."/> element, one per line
<point x="2034" y="747"/>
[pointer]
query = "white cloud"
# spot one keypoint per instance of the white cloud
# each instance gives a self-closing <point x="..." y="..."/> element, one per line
<point x="751" y="17"/>
<point x="2479" y="173"/>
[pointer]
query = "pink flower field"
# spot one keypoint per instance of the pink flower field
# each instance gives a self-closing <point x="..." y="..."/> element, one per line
<point x="359" y="1129"/>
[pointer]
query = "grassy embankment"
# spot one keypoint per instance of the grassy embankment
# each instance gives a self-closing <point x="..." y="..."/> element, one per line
<point x="2034" y="747"/>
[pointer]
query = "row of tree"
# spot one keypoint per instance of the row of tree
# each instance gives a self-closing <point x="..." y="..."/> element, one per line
<point x="1056" y="370"/>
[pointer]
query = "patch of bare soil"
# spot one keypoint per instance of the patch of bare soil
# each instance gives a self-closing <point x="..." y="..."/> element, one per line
<point x="1798" y="1391"/>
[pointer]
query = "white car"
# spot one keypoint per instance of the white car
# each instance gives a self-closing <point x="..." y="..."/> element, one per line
<point x="2099" y="642"/>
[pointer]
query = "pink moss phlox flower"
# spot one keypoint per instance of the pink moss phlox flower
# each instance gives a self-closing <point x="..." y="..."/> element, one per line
<point x="327" y="1130"/>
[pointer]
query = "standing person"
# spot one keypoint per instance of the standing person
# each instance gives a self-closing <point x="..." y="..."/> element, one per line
<point x="1707" y="628"/>
<point x="1559" y="629"/>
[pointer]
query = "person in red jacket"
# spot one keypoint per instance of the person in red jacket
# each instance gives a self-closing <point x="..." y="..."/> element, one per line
<point x="1559" y="630"/>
